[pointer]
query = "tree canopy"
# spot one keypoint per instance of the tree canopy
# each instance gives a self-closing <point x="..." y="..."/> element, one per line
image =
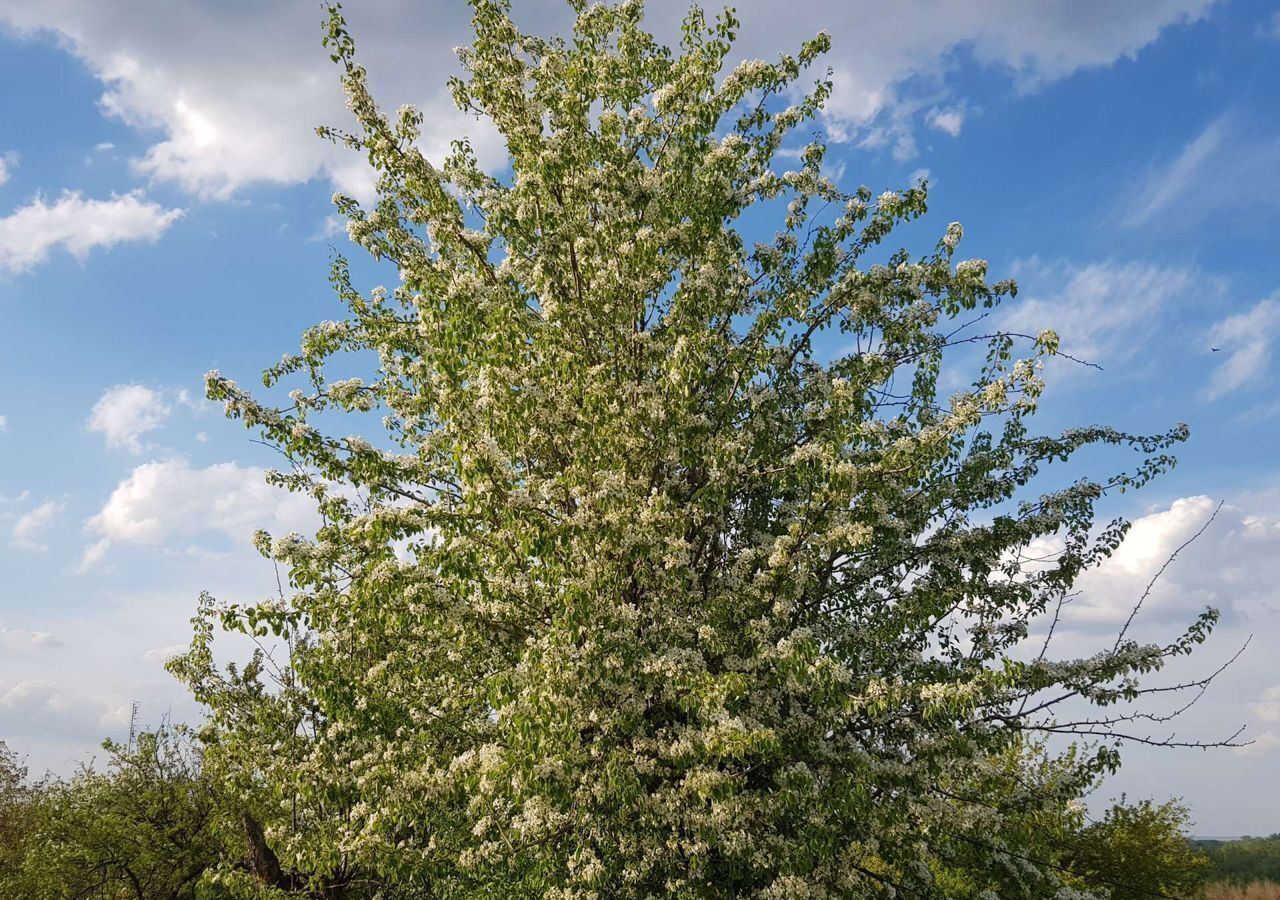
<point x="660" y="564"/>
<point x="147" y="826"/>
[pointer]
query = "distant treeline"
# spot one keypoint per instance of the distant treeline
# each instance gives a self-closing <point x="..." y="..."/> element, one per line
<point x="1244" y="860"/>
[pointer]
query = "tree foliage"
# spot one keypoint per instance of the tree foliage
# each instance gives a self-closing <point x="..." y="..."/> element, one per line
<point x="1139" y="849"/>
<point x="144" y="827"/>
<point x="16" y="818"/>
<point x="669" y="571"/>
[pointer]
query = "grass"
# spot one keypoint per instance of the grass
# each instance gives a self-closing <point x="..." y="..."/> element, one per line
<point x="1257" y="890"/>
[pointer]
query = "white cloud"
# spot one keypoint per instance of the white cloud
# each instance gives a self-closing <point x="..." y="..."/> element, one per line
<point x="1262" y="745"/>
<point x="7" y="162"/>
<point x="1103" y="312"/>
<point x="164" y="502"/>
<point x="30" y="233"/>
<point x="110" y="645"/>
<point x="31" y="525"/>
<point x="4" y="423"/>
<point x="236" y="95"/>
<point x="332" y="226"/>
<point x="1234" y="566"/>
<point x="1205" y="179"/>
<point x="1267" y="708"/>
<point x="125" y="413"/>
<point x="1153" y="537"/>
<point x="1246" y="339"/>
<point x="949" y="121"/>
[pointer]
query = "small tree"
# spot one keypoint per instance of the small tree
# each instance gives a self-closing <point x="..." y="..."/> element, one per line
<point x="144" y="828"/>
<point x="671" y="572"/>
<point x="1138" y="850"/>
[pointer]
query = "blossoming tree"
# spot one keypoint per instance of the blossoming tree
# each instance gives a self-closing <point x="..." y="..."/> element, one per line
<point x="669" y="571"/>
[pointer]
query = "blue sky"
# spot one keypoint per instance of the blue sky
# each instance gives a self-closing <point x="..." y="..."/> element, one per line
<point x="164" y="210"/>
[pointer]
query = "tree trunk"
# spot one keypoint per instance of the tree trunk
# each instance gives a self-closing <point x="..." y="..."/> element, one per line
<point x="262" y="859"/>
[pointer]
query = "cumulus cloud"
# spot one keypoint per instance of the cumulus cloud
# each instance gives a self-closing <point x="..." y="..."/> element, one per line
<point x="7" y="162"/>
<point x="1204" y="178"/>
<point x="1267" y="708"/>
<point x="949" y="121"/>
<point x="165" y="502"/>
<point x="1246" y="340"/>
<point x="235" y="96"/>
<point x="125" y="413"/>
<point x="32" y="525"/>
<point x="1103" y="312"/>
<point x="1234" y="566"/>
<point x="30" y="233"/>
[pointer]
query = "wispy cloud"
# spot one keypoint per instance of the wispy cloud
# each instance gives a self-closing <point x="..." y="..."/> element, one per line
<point x="1247" y="339"/>
<point x="164" y="654"/>
<point x="1227" y="166"/>
<point x="31" y="525"/>
<point x="1104" y="312"/>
